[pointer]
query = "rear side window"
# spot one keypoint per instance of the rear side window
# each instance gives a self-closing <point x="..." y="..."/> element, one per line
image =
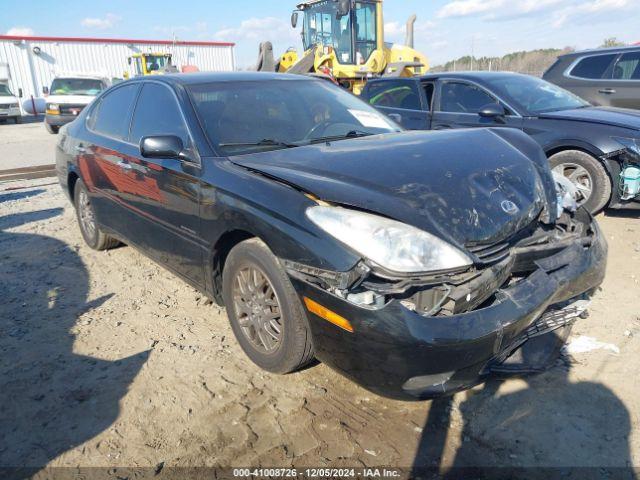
<point x="463" y="98"/>
<point x="157" y="113"/>
<point x="627" y="67"/>
<point x="593" y="67"/>
<point x="400" y="94"/>
<point x="112" y="114"/>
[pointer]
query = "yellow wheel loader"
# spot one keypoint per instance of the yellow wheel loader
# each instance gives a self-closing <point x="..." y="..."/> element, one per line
<point x="344" y="40"/>
<point x="141" y="64"/>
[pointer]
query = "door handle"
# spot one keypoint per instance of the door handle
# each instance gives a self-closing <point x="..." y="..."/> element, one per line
<point x="396" y="117"/>
<point x="127" y="167"/>
<point x="607" y="91"/>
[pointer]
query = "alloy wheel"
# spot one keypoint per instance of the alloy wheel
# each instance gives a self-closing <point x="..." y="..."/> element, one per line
<point x="257" y="309"/>
<point x="580" y="177"/>
<point x="85" y="211"/>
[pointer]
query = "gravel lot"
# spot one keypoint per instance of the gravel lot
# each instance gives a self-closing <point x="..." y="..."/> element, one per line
<point x="108" y="360"/>
<point x="26" y="145"/>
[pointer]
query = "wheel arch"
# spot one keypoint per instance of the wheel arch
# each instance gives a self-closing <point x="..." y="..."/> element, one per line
<point x="580" y="146"/>
<point x="219" y="254"/>
<point x="72" y="179"/>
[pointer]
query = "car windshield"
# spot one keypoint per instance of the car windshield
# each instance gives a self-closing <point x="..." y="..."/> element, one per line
<point x="76" y="86"/>
<point x="254" y="116"/>
<point x="5" y="92"/>
<point x="534" y="95"/>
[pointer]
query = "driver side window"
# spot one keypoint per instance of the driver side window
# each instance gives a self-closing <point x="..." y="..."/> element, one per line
<point x="458" y="97"/>
<point x="157" y="113"/>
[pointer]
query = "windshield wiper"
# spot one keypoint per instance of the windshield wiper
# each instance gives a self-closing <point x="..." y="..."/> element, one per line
<point x="349" y="134"/>
<point x="265" y="142"/>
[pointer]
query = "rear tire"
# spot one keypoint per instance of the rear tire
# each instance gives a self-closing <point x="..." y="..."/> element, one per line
<point x="264" y="310"/>
<point x="587" y="174"/>
<point x="52" y="129"/>
<point x="87" y="221"/>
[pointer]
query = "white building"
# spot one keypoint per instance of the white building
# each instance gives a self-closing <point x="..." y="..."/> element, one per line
<point x="35" y="61"/>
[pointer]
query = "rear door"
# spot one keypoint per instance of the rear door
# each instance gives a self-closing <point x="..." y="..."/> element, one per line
<point x="457" y="105"/>
<point x="167" y="191"/>
<point x="589" y="78"/>
<point x="624" y="87"/>
<point x="105" y="152"/>
<point x="402" y="100"/>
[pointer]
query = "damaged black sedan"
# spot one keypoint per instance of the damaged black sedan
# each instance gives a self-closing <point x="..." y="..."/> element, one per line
<point x="416" y="263"/>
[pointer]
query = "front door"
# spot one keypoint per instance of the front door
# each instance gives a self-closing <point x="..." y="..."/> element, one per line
<point x="458" y="103"/>
<point x="167" y="194"/>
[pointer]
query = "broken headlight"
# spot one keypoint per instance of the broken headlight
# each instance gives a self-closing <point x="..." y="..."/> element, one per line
<point x="393" y="245"/>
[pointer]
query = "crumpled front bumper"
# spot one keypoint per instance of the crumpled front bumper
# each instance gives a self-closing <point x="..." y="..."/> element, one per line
<point x="399" y="353"/>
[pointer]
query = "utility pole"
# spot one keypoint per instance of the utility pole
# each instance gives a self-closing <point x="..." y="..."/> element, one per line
<point x="473" y="49"/>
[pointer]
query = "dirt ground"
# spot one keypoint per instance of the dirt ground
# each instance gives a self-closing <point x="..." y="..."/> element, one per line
<point x="106" y="359"/>
<point x="26" y="145"/>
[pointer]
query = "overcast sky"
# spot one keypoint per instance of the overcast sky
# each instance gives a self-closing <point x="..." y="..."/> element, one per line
<point x="445" y="29"/>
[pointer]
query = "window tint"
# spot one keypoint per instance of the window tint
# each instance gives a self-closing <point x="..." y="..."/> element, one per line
<point x="463" y="98"/>
<point x="112" y="114"/>
<point x="593" y="67"/>
<point x="157" y="113"/>
<point x="398" y="94"/>
<point x="628" y="67"/>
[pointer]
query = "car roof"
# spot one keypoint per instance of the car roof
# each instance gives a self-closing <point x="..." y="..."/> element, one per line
<point x="477" y="76"/>
<point x="592" y="51"/>
<point x="197" y="78"/>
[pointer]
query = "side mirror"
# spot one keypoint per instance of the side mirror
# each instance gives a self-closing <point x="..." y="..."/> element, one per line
<point x="163" y="146"/>
<point x="396" y="117"/>
<point x="294" y="19"/>
<point x="45" y="90"/>
<point x="493" y="110"/>
<point x="129" y="60"/>
<point x="20" y="94"/>
<point x="344" y="7"/>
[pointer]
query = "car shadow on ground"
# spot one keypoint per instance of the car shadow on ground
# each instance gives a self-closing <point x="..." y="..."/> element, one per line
<point x="19" y="195"/>
<point x="623" y="213"/>
<point x="52" y="398"/>
<point x="540" y="427"/>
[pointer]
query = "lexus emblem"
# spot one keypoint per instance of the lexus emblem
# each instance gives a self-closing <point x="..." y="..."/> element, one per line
<point x="509" y="207"/>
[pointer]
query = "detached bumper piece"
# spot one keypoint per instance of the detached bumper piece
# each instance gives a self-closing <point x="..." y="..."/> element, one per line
<point x="435" y="337"/>
<point x="539" y="345"/>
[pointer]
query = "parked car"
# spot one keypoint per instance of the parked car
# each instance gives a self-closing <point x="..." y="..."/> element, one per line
<point x="606" y="77"/>
<point x="415" y="263"/>
<point x="597" y="148"/>
<point x="9" y="103"/>
<point x="68" y="96"/>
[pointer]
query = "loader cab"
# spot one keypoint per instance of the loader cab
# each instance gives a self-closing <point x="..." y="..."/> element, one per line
<point x="149" y="63"/>
<point x="352" y="29"/>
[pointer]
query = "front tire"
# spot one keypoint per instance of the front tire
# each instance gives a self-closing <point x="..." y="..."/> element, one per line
<point x="17" y="120"/>
<point x="52" y="129"/>
<point x="587" y="174"/>
<point x="265" y="312"/>
<point x="85" y="214"/>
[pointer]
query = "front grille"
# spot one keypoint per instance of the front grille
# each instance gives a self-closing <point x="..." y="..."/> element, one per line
<point x="490" y="254"/>
<point x="71" y="109"/>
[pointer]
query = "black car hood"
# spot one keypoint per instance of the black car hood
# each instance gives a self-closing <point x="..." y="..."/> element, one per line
<point x="619" y="117"/>
<point x="452" y="184"/>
